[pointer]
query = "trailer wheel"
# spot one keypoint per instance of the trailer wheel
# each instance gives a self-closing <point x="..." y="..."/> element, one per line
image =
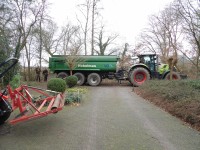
<point x="175" y="76"/>
<point x="62" y="75"/>
<point x="4" y="111"/>
<point x="139" y="75"/>
<point x="81" y="78"/>
<point x="94" y="79"/>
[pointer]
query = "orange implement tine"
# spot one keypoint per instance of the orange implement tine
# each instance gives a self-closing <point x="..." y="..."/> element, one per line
<point x="29" y="95"/>
<point x="40" y="106"/>
<point x="50" y="104"/>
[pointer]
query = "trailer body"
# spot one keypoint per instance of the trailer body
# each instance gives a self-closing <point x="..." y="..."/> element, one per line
<point x="58" y="63"/>
<point x="90" y="69"/>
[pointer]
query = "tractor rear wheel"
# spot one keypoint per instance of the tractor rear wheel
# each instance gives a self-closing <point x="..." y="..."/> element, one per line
<point x="4" y="110"/>
<point x="138" y="76"/>
<point x="62" y="75"/>
<point x="175" y="76"/>
<point x="81" y="78"/>
<point x="94" y="79"/>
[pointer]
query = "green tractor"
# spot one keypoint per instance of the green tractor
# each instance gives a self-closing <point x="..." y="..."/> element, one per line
<point x="148" y="67"/>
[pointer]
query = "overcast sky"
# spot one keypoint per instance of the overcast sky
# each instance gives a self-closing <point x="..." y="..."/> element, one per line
<point x="126" y="17"/>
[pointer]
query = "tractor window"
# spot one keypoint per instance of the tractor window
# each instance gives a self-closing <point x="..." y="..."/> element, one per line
<point x="147" y="60"/>
<point x="150" y="62"/>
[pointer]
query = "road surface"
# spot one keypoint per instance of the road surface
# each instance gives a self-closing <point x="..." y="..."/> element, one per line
<point x="108" y="118"/>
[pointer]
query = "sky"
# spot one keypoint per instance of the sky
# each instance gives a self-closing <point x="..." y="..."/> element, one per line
<point x="124" y="17"/>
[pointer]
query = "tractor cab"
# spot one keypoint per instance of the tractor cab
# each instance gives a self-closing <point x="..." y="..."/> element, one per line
<point x="150" y="60"/>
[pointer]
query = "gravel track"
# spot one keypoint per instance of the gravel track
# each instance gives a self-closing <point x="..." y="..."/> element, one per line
<point x="109" y="118"/>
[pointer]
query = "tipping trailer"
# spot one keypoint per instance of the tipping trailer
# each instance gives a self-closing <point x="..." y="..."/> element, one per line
<point x="92" y="69"/>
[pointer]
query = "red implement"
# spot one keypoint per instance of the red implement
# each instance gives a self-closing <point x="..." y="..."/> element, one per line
<point x="29" y="108"/>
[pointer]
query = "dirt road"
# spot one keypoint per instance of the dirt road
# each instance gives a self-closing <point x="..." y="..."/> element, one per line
<point x="109" y="118"/>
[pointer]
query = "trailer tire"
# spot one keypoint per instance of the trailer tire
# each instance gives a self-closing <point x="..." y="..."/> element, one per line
<point x="175" y="76"/>
<point x="94" y="79"/>
<point x="3" y="107"/>
<point x="62" y="75"/>
<point x="139" y="75"/>
<point x="81" y="78"/>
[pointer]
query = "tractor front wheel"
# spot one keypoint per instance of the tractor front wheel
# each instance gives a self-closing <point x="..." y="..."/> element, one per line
<point x="138" y="76"/>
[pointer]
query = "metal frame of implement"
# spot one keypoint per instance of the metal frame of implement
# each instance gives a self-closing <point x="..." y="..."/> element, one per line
<point x="20" y="98"/>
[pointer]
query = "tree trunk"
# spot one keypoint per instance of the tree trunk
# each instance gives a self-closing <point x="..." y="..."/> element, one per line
<point x="71" y="73"/>
<point x="92" y="40"/>
<point x="40" y="49"/>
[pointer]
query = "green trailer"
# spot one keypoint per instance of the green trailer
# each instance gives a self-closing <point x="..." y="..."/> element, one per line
<point x="90" y="69"/>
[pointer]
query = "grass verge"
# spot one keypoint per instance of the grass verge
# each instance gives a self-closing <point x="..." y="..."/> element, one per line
<point x="180" y="98"/>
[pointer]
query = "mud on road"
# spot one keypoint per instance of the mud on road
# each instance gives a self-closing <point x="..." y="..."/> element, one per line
<point x="108" y="118"/>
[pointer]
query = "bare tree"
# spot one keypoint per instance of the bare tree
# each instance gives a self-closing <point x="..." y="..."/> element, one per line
<point x="85" y="11"/>
<point x="103" y="46"/>
<point x="40" y="33"/>
<point x="91" y="11"/>
<point x="70" y="38"/>
<point x="163" y="35"/>
<point x="71" y="62"/>
<point x="27" y="14"/>
<point x="29" y="54"/>
<point x="154" y="38"/>
<point x="73" y="59"/>
<point x="95" y="11"/>
<point x="50" y="39"/>
<point x="189" y="11"/>
<point x="17" y="20"/>
<point x="125" y="59"/>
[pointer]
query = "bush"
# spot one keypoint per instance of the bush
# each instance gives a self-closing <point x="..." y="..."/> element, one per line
<point x="180" y="98"/>
<point x="74" y="95"/>
<point x="171" y="91"/>
<point x="71" y="81"/>
<point x="15" y="82"/>
<point x="73" y="98"/>
<point x="56" y="84"/>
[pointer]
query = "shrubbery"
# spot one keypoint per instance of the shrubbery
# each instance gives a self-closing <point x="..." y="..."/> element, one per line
<point x="15" y="82"/>
<point x="180" y="98"/>
<point x="56" y="84"/>
<point x="174" y="90"/>
<point x="74" y="95"/>
<point x="71" y="81"/>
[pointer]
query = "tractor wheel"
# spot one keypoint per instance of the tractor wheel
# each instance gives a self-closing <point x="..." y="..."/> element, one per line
<point x="81" y="78"/>
<point x="138" y="76"/>
<point x="4" y="107"/>
<point x="94" y="79"/>
<point x="62" y="75"/>
<point x="175" y="76"/>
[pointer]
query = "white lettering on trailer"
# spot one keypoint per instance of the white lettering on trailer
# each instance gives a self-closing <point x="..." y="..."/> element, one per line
<point x="86" y="65"/>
